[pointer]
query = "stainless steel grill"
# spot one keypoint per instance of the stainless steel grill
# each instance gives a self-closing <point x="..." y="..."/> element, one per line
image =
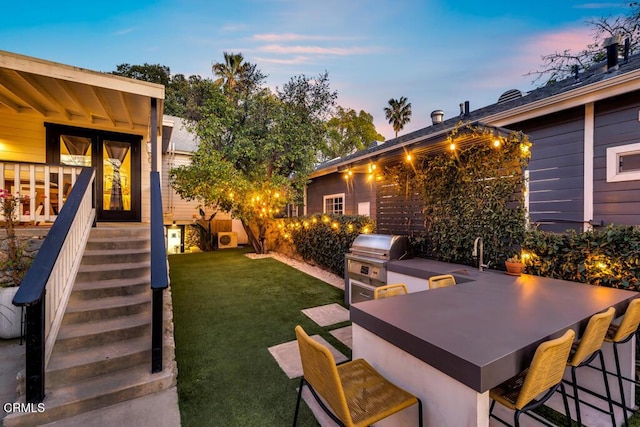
<point x="366" y="264"/>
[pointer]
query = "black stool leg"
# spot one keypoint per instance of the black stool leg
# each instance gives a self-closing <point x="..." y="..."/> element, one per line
<point x="619" y="372"/>
<point x="575" y="397"/>
<point x="566" y="403"/>
<point x="295" y="416"/>
<point x="516" y="418"/>
<point x="607" y="389"/>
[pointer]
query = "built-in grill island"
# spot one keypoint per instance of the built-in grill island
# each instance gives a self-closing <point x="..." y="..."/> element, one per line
<point x="366" y="264"/>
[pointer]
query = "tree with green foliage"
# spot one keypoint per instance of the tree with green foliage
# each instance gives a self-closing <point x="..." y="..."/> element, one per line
<point x="153" y="73"/>
<point x="562" y="64"/>
<point x="349" y="131"/>
<point x="256" y="151"/>
<point x="237" y="77"/>
<point x="183" y="96"/>
<point x="398" y="113"/>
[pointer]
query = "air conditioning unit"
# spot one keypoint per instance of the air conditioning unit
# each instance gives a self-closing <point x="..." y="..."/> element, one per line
<point x="227" y="239"/>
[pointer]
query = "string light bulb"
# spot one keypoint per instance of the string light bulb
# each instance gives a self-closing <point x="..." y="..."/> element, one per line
<point x="452" y="146"/>
<point x="496" y="143"/>
<point x="409" y="157"/>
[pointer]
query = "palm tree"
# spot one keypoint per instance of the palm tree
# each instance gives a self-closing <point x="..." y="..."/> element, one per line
<point x="231" y="71"/>
<point x="398" y="113"/>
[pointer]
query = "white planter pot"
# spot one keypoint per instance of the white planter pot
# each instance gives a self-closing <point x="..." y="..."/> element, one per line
<point x="9" y="314"/>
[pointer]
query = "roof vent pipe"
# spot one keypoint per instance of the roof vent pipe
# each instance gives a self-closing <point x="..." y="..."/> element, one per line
<point x="464" y="108"/>
<point x="612" y="52"/>
<point x="627" y="48"/>
<point x="437" y="116"/>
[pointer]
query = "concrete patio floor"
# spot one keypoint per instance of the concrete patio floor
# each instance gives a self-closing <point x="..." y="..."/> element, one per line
<point x="11" y="363"/>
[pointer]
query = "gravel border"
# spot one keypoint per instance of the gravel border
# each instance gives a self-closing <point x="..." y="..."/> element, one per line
<point x="317" y="272"/>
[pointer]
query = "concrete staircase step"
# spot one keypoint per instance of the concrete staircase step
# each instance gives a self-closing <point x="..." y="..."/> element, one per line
<point x="95" y="272"/>
<point x="109" y="288"/>
<point x="102" y="354"/>
<point x="79" y="335"/>
<point x="104" y="308"/>
<point x="110" y="232"/>
<point x="117" y="243"/>
<point x="83" y="363"/>
<point x="101" y="391"/>
<point x="105" y="256"/>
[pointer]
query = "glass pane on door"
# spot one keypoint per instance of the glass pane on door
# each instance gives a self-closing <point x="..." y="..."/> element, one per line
<point x="74" y="151"/>
<point x="116" y="175"/>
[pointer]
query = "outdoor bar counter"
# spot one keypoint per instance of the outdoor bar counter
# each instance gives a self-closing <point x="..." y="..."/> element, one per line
<point x="450" y="346"/>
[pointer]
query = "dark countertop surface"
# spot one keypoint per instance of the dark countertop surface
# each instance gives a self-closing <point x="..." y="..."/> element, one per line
<point x="484" y="331"/>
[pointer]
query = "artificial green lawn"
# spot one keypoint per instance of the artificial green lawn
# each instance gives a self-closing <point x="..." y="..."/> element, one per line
<point x="228" y="309"/>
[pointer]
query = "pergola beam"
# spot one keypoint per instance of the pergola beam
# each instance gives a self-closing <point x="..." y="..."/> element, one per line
<point x="44" y="92"/>
<point x="127" y="109"/>
<point x="9" y="104"/>
<point x="71" y="93"/>
<point x="30" y="102"/>
<point x="104" y="104"/>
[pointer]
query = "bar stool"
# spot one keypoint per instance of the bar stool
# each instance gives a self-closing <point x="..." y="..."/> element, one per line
<point x="442" y="281"/>
<point x="392" y="290"/>
<point x="585" y="351"/>
<point x="353" y="394"/>
<point x="620" y="334"/>
<point x="543" y="376"/>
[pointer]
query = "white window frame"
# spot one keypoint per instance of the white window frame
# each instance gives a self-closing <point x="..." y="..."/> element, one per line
<point x="364" y="208"/>
<point x="613" y="161"/>
<point x="333" y="196"/>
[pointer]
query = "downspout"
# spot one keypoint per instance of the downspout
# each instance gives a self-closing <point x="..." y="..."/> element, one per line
<point x="589" y="131"/>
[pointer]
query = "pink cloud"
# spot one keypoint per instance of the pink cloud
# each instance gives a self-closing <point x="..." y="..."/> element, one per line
<point x="511" y="70"/>
<point x="294" y="60"/>
<point x="288" y="37"/>
<point x="339" y="51"/>
<point x="573" y="39"/>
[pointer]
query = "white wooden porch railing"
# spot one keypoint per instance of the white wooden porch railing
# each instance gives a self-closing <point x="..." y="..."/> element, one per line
<point x="47" y="285"/>
<point x="64" y="271"/>
<point x="47" y="187"/>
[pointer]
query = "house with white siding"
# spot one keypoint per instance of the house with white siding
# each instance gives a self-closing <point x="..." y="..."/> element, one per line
<point x="178" y="146"/>
<point x="83" y="150"/>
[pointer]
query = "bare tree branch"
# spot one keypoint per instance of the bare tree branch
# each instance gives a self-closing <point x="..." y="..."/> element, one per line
<point x="562" y="64"/>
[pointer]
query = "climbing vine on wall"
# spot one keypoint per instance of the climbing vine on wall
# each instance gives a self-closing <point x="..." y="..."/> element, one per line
<point x="472" y="189"/>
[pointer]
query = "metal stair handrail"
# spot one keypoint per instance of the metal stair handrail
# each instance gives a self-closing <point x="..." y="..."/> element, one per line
<point x="159" y="272"/>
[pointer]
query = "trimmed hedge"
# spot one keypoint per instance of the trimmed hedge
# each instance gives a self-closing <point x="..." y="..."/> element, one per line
<point x="324" y="239"/>
<point x="608" y="256"/>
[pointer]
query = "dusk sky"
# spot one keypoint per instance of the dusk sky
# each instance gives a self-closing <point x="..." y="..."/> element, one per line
<point x="436" y="53"/>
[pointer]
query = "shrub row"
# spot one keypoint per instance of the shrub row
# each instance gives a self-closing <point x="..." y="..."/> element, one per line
<point x="323" y="239"/>
<point x="609" y="256"/>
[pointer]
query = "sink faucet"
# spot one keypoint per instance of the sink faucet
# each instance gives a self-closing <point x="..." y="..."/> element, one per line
<point x="474" y="254"/>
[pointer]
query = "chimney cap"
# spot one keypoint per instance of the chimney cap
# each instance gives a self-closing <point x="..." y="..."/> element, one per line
<point x="437" y="116"/>
<point x="610" y="41"/>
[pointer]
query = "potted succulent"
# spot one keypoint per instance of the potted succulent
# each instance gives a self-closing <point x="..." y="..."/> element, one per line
<point x="514" y="265"/>
<point x="13" y="266"/>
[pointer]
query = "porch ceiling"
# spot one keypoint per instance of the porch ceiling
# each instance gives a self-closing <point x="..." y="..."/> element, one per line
<point x="73" y="96"/>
